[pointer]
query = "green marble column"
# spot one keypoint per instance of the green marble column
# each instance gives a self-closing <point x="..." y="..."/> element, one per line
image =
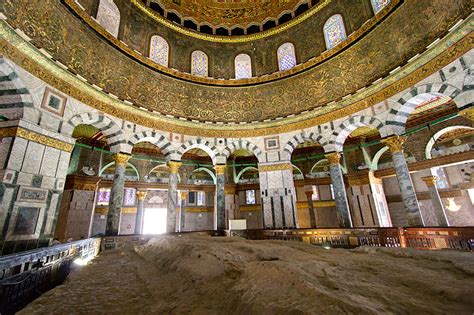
<point x="116" y="194"/>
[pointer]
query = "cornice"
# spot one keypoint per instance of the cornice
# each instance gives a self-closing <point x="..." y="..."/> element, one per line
<point x="36" y="137"/>
<point x="31" y="59"/>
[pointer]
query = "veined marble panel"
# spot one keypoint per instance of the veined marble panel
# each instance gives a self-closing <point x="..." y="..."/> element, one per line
<point x="33" y="158"/>
<point x="17" y="154"/>
<point x="63" y="164"/>
<point x="50" y="162"/>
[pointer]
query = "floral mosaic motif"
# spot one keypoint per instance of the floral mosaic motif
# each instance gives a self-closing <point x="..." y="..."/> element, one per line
<point x="108" y="16"/>
<point x="199" y="63"/>
<point x="159" y="50"/>
<point x="243" y="66"/>
<point x="286" y="56"/>
<point x="334" y="31"/>
<point x="129" y="197"/>
<point x="379" y="5"/>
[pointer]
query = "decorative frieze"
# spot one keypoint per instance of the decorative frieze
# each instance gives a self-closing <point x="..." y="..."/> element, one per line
<point x="275" y="167"/>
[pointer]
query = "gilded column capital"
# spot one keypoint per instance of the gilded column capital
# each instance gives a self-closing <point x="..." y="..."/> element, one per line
<point x="333" y="158"/>
<point x="121" y="158"/>
<point x="174" y="166"/>
<point x="430" y="181"/>
<point x="183" y="195"/>
<point x="468" y="113"/>
<point x="394" y="143"/>
<point x="220" y="169"/>
<point x="141" y="194"/>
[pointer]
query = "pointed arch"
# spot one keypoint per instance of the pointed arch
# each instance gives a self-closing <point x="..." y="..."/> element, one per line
<point x="242" y="172"/>
<point x="243" y="145"/>
<point x="159" y="50"/>
<point x="286" y="56"/>
<point x="199" y="64"/>
<point x="208" y="171"/>
<point x="437" y="135"/>
<point x="243" y="66"/>
<point x="111" y="131"/>
<point x="340" y="133"/>
<point x="301" y="138"/>
<point x="375" y="161"/>
<point x="153" y="137"/>
<point x="398" y="117"/>
<point x="334" y="31"/>
<point x="204" y="145"/>
<point x="108" y="16"/>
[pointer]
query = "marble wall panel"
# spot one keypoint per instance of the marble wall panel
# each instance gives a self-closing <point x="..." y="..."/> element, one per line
<point x="50" y="162"/>
<point x="17" y="154"/>
<point x="33" y="158"/>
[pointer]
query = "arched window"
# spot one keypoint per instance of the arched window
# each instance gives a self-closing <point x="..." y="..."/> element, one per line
<point x="108" y="16"/>
<point x="379" y="5"/>
<point x="159" y="50"/>
<point x="199" y="64"/>
<point x="286" y="56"/>
<point x="334" y="31"/>
<point x="243" y="66"/>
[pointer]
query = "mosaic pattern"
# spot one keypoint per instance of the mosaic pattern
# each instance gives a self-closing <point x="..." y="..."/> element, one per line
<point x="159" y="50"/>
<point x="129" y="197"/>
<point x="243" y="66"/>
<point x="379" y="5"/>
<point x="108" y="16"/>
<point x="199" y="63"/>
<point x="286" y="56"/>
<point x="334" y="31"/>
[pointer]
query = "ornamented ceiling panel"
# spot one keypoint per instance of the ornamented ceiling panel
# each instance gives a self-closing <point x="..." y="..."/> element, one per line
<point x="229" y="12"/>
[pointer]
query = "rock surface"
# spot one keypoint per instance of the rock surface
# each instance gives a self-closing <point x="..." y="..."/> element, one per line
<point x="204" y="275"/>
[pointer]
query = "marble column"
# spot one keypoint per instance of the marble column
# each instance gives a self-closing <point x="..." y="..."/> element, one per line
<point x="182" y="210"/>
<point x="312" y="215"/>
<point x="339" y="187"/>
<point x="172" y="196"/>
<point x="116" y="194"/>
<point x="220" y="198"/>
<point x="141" y="195"/>
<point x="438" y="207"/>
<point x="412" y="208"/>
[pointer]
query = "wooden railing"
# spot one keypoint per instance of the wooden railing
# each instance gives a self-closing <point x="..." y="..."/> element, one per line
<point x="25" y="276"/>
<point x="460" y="238"/>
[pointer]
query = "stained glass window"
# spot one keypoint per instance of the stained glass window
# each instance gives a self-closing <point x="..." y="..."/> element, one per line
<point x="103" y="196"/>
<point x="108" y="16"/>
<point x="315" y="195"/>
<point x="199" y="64"/>
<point x="159" y="50"/>
<point x="129" y="197"/>
<point x="442" y="180"/>
<point x="243" y="66"/>
<point x="250" y="197"/>
<point x="334" y="31"/>
<point x="331" y="187"/>
<point x="200" y="198"/>
<point x="379" y="5"/>
<point x="286" y="56"/>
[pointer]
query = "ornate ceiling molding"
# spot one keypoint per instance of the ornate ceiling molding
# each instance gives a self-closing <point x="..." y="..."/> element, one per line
<point x="352" y="38"/>
<point x="31" y="59"/>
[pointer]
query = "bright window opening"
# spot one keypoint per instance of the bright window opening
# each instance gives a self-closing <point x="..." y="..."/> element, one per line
<point x="332" y="191"/>
<point x="470" y="192"/>
<point x="315" y="195"/>
<point x="200" y="198"/>
<point x="154" y="221"/>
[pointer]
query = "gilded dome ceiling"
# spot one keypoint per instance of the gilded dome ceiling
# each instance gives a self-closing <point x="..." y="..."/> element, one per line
<point x="229" y="14"/>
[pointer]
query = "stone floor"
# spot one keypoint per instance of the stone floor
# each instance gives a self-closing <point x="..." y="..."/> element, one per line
<point x="204" y="275"/>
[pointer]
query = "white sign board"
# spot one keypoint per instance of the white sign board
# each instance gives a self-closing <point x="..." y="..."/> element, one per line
<point x="237" y="225"/>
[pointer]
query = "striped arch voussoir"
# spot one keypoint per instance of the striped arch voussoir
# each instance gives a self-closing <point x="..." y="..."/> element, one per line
<point x="341" y="133"/>
<point x="153" y="137"/>
<point x="202" y="144"/>
<point x="243" y="145"/>
<point x="301" y="138"/>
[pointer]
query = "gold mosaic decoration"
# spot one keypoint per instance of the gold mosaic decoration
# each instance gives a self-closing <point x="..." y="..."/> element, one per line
<point x="275" y="167"/>
<point x="28" y="57"/>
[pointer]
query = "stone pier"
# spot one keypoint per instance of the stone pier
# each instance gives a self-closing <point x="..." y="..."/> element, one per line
<point x="220" y="198"/>
<point x="116" y="194"/>
<point x="438" y="207"/>
<point x="141" y="195"/>
<point x="172" y="196"/>
<point x="340" y="195"/>
<point x="312" y="215"/>
<point x="412" y="208"/>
